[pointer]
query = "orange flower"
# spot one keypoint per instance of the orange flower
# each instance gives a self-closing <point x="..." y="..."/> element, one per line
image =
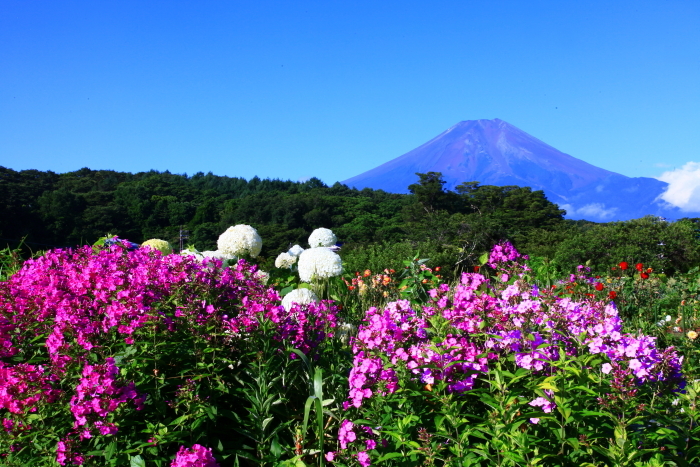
<point x="367" y="273"/>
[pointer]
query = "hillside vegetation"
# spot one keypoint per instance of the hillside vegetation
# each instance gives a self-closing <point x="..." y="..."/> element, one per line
<point x="453" y="228"/>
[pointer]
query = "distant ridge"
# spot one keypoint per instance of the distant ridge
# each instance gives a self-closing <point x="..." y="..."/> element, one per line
<point x="494" y="152"/>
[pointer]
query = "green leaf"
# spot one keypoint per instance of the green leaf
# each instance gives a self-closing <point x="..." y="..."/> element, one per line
<point x="483" y="259"/>
<point x="391" y="455"/>
<point x="318" y="383"/>
<point x="110" y="450"/>
<point x="137" y="461"/>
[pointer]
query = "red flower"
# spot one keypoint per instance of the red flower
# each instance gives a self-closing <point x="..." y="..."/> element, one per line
<point x="639" y="267"/>
<point x="612" y="295"/>
<point x="624" y="265"/>
<point x="644" y="275"/>
<point x="599" y="286"/>
<point x="476" y="268"/>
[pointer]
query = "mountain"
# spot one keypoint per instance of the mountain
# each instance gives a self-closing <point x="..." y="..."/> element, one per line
<point x="494" y="152"/>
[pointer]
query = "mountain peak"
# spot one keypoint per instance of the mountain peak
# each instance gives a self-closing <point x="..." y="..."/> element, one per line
<point x="494" y="152"/>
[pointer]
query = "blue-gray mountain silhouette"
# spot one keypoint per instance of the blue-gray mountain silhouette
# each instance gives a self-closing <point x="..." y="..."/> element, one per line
<point x="494" y="152"/>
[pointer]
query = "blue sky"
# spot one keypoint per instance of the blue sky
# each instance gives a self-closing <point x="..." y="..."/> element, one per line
<point x="294" y="89"/>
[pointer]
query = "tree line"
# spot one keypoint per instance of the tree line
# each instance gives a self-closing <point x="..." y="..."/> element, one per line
<point x="453" y="227"/>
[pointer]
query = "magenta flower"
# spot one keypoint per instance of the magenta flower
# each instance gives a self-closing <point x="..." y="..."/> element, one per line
<point x="196" y="456"/>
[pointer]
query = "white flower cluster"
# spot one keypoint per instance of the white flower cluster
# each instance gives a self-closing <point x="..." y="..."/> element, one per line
<point x="262" y="276"/>
<point x="322" y="237"/>
<point x="300" y="297"/>
<point x="240" y="240"/>
<point x="319" y="263"/>
<point x="217" y="254"/>
<point x="202" y="255"/>
<point x="285" y="260"/>
<point x="192" y="251"/>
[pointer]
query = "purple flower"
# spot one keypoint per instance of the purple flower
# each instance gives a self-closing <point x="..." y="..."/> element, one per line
<point x="363" y="458"/>
<point x="197" y="456"/>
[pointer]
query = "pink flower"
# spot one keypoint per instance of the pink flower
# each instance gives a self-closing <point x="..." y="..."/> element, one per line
<point x="197" y="456"/>
<point x="363" y="458"/>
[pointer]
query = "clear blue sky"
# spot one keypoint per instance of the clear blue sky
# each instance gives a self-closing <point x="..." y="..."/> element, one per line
<point x="293" y="89"/>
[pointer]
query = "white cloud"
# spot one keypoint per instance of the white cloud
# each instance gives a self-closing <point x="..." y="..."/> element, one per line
<point x="592" y="210"/>
<point x="683" y="187"/>
<point x="596" y="210"/>
<point x="568" y="208"/>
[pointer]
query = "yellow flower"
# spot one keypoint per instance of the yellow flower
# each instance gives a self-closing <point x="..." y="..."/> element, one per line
<point x="692" y="335"/>
<point x="160" y="245"/>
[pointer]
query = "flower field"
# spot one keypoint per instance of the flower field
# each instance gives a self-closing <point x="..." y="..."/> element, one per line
<point x="124" y="355"/>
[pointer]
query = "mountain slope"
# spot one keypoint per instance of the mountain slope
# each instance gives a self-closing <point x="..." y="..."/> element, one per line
<point x="494" y="152"/>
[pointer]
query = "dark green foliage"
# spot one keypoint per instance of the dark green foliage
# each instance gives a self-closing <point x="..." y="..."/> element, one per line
<point x="667" y="247"/>
<point x="452" y="227"/>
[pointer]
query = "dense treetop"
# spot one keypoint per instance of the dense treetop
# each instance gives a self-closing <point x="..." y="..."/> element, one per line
<point x="78" y="207"/>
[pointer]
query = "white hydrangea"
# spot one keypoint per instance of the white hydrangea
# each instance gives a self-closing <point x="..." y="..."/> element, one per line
<point x="262" y="276"/>
<point x="319" y="263"/>
<point x="192" y="252"/>
<point x="295" y="251"/>
<point x="300" y="297"/>
<point x="240" y="240"/>
<point x="285" y="260"/>
<point x="217" y="254"/>
<point x="322" y="237"/>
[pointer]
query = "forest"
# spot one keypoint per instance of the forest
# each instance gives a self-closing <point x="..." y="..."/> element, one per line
<point x="44" y="210"/>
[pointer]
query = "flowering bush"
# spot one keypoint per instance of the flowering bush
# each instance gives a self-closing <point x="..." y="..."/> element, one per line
<point x="112" y="325"/>
<point x="322" y="238"/>
<point x="453" y="345"/>
<point x="118" y="357"/>
<point x="319" y="263"/>
<point x="240" y="240"/>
